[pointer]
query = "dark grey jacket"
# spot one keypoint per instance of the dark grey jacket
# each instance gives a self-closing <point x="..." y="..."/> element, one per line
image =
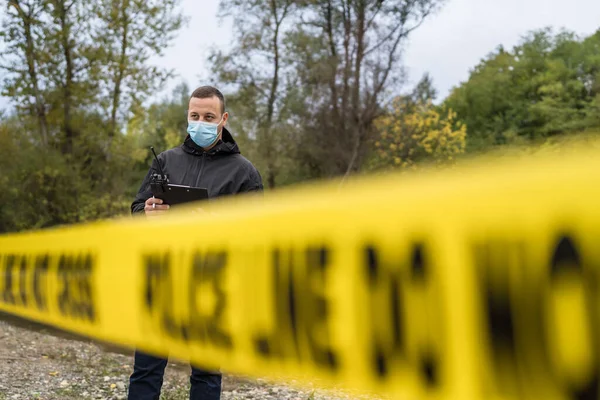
<point x="222" y="170"/>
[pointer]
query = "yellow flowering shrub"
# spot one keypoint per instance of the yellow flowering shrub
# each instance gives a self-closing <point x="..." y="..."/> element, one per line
<point x="417" y="132"/>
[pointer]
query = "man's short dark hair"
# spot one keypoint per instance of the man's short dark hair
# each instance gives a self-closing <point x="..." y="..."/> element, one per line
<point x="206" y="92"/>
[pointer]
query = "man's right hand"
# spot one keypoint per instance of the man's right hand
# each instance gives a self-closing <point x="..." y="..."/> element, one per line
<point x="155" y="207"/>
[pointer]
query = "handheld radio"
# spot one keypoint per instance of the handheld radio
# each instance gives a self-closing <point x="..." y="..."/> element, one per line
<point x="158" y="182"/>
<point x="171" y="193"/>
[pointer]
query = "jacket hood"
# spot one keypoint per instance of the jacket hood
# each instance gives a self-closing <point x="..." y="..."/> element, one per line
<point x="225" y="145"/>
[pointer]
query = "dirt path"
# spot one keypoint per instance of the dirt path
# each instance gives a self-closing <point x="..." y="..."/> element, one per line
<point x="36" y="365"/>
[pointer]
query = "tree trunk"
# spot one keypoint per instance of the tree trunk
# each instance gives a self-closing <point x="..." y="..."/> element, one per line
<point x="30" y="54"/>
<point x="356" y="128"/>
<point x="121" y="69"/>
<point x="334" y="60"/>
<point x="68" y="84"/>
<point x="347" y="21"/>
<point x="269" y="143"/>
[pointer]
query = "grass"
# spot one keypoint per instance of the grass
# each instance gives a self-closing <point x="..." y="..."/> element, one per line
<point x="181" y="392"/>
<point x="108" y="364"/>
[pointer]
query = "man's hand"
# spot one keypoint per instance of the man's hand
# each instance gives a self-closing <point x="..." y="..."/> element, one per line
<point x="155" y="207"/>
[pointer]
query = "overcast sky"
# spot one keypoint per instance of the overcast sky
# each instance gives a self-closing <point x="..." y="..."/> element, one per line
<point x="447" y="45"/>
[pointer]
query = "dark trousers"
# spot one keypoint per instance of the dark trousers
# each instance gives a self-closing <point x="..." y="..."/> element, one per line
<point x="147" y="379"/>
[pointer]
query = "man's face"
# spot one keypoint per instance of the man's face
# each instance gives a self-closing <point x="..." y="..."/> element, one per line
<point x="207" y="110"/>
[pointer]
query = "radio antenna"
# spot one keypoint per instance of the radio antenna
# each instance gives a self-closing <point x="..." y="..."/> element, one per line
<point x="158" y="162"/>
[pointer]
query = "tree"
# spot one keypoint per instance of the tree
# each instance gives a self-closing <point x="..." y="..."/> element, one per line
<point x="547" y="85"/>
<point x="254" y="72"/>
<point x="21" y="33"/>
<point x="128" y="34"/>
<point x="310" y="77"/>
<point x="425" y="91"/>
<point x="94" y="58"/>
<point x="66" y="63"/>
<point x="77" y="72"/>
<point x="348" y="57"/>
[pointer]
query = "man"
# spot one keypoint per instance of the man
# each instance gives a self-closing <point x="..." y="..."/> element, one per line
<point x="208" y="158"/>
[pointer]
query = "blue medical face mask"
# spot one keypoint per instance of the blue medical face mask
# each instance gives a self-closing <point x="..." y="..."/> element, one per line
<point x="204" y="134"/>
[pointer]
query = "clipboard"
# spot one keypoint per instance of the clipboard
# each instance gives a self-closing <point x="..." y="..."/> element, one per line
<point x="172" y="194"/>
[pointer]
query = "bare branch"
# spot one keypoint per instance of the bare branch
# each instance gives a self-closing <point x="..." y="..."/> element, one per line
<point x="17" y="6"/>
<point x="392" y="55"/>
<point x="12" y="69"/>
<point x="385" y="39"/>
<point x="400" y="25"/>
<point x="377" y="9"/>
<point x="311" y="23"/>
<point x="256" y="86"/>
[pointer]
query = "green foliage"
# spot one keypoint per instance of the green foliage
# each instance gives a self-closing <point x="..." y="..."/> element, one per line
<point x="43" y="188"/>
<point x="307" y="79"/>
<point x="547" y="85"/>
<point x="162" y="125"/>
<point x="308" y="85"/>
<point x="77" y="73"/>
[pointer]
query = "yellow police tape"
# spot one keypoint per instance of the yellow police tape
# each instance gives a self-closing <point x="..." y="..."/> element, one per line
<point x="476" y="283"/>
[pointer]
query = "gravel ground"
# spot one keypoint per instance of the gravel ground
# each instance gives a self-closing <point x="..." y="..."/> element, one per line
<point x="36" y="365"/>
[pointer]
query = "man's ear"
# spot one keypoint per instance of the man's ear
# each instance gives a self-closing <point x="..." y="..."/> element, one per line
<point x="225" y="118"/>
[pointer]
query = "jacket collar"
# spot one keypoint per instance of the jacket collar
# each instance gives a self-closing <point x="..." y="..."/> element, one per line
<point x="226" y="145"/>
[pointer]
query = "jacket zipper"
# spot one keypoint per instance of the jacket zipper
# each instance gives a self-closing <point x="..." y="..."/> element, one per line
<point x="201" y="169"/>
